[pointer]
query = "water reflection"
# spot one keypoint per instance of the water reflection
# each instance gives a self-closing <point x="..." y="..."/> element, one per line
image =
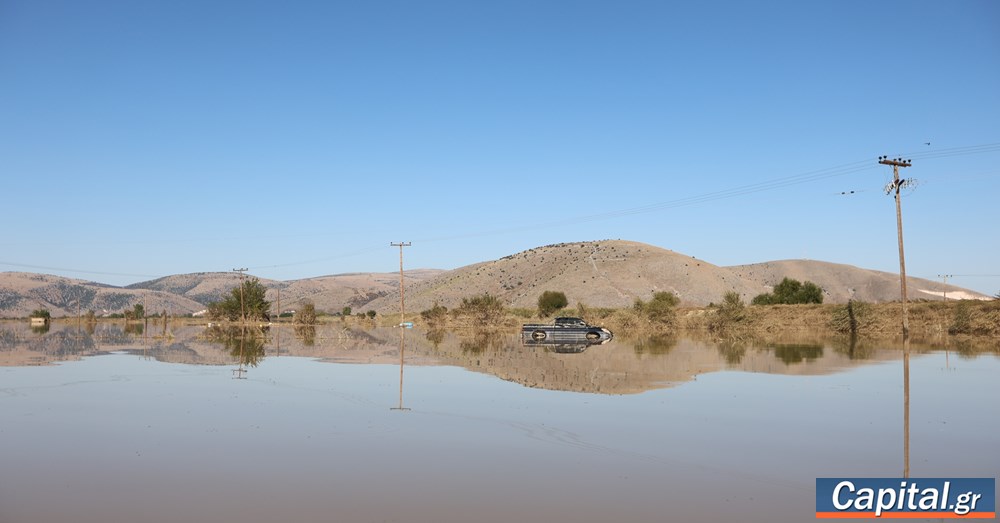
<point x="244" y="344"/>
<point x="479" y="341"/>
<point x="306" y="333"/>
<point x="797" y="353"/>
<point x="735" y="447"/>
<point x="906" y="406"/>
<point x="621" y="366"/>
<point x="732" y="350"/>
<point x="562" y="347"/>
<point x="655" y="345"/>
<point x="854" y="348"/>
<point x="402" y="351"/>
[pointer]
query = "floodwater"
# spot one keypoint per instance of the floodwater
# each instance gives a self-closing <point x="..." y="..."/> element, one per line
<point x="171" y="423"/>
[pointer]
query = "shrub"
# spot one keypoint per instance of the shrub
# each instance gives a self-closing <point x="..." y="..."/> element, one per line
<point x="484" y="309"/>
<point x="551" y="301"/>
<point x="436" y="315"/>
<point x="40" y="313"/>
<point x="730" y="313"/>
<point x="961" y="322"/>
<point x="790" y="292"/>
<point x="848" y="319"/>
<point x="306" y="314"/>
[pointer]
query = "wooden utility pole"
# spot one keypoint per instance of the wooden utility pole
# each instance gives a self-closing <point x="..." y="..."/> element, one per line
<point x="243" y="311"/>
<point x="944" y="278"/>
<point x="895" y="186"/>
<point x="401" y="305"/>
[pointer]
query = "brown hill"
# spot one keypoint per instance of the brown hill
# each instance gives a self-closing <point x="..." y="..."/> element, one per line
<point x="841" y="283"/>
<point x="609" y="273"/>
<point x="613" y="273"/>
<point x="22" y="292"/>
<point x="329" y="293"/>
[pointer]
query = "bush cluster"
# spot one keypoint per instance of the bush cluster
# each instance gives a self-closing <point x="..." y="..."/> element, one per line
<point x="790" y="292"/>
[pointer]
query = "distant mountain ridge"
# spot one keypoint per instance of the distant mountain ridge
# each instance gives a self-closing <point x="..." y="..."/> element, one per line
<point x="22" y="292"/>
<point x="607" y="273"/>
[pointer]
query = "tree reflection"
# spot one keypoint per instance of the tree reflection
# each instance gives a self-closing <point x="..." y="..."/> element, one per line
<point x="854" y="348"/>
<point x="134" y="328"/>
<point x="307" y="333"/>
<point x="656" y="345"/>
<point x="732" y="351"/>
<point x="244" y="344"/>
<point x="796" y="353"/>
<point x="481" y="340"/>
<point x="435" y="336"/>
<point x="40" y="329"/>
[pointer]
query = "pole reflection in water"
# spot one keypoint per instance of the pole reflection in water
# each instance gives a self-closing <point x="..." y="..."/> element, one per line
<point x="402" y="348"/>
<point x="906" y="406"/>
<point x="239" y="373"/>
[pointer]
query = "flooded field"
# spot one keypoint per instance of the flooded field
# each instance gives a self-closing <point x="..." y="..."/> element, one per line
<point x="174" y="423"/>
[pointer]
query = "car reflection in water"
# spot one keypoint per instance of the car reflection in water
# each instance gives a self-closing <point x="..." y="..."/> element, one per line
<point x="562" y="346"/>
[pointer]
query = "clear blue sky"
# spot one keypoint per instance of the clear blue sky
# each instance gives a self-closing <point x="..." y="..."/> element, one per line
<point x="140" y="139"/>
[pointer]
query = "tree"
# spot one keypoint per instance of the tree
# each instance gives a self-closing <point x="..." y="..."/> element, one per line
<point x="371" y="314"/>
<point x="138" y="312"/>
<point x="485" y="309"/>
<point x="345" y="312"/>
<point x="306" y="315"/>
<point x="551" y="301"/>
<point x="661" y="307"/>
<point x="730" y="313"/>
<point x="790" y="292"/>
<point x="40" y="313"/>
<point x="435" y="315"/>
<point x="245" y="299"/>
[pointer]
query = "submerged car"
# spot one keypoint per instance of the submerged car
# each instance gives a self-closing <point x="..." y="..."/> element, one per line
<point x="564" y="329"/>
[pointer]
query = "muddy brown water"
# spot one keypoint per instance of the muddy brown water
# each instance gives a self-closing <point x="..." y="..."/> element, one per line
<point x="336" y="424"/>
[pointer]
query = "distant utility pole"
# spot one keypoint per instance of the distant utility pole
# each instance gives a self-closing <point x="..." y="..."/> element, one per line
<point x="243" y="311"/>
<point x="401" y="306"/>
<point x="896" y="185"/>
<point x="944" y="278"/>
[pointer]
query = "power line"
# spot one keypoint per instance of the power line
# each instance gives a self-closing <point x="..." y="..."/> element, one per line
<point x="743" y="190"/>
